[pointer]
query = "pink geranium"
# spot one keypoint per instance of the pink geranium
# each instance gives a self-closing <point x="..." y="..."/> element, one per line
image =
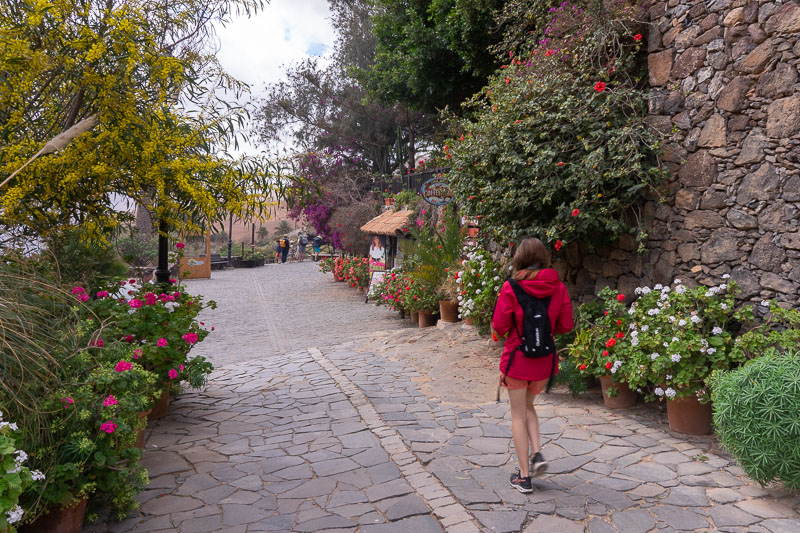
<point x="122" y="366"/>
<point x="102" y="294"/>
<point x="110" y="400"/>
<point x="190" y="338"/>
<point x="109" y="427"/>
<point x="136" y="304"/>
<point x="173" y="280"/>
<point x="172" y="373"/>
<point x="137" y="353"/>
<point x="67" y="402"/>
<point x="98" y="343"/>
<point x="176" y="294"/>
<point x="162" y="342"/>
<point x="180" y="367"/>
<point x="180" y="245"/>
<point x="83" y="297"/>
<point x="78" y="290"/>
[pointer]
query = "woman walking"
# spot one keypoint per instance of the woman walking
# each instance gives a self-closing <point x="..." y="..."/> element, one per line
<point x="525" y="377"/>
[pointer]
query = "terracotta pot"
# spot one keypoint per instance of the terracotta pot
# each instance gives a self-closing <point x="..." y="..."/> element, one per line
<point x="448" y="310"/>
<point x="415" y="317"/>
<point x="625" y="399"/>
<point x="427" y="319"/>
<point x="61" y="520"/>
<point x="472" y="231"/>
<point x="687" y="415"/>
<point x="140" y="433"/>
<point x="159" y="409"/>
<point x="388" y="201"/>
<point x="469" y="321"/>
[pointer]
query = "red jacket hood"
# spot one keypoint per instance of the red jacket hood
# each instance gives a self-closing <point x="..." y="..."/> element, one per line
<point x="545" y="284"/>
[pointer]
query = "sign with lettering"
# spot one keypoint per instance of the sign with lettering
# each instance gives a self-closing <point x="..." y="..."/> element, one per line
<point x="437" y="191"/>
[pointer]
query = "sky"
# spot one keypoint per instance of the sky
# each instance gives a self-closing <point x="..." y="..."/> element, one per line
<point x="256" y="49"/>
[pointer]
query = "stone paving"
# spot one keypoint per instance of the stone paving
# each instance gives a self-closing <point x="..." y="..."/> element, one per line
<point x="328" y="436"/>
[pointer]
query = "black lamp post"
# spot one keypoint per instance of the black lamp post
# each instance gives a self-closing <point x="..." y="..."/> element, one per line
<point x="162" y="272"/>
<point x="230" y="239"/>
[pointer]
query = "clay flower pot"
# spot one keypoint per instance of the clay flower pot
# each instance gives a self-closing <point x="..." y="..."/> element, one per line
<point x="59" y="520"/>
<point x="159" y="409"/>
<point x="427" y="319"/>
<point x="689" y="416"/>
<point x="140" y="433"/>
<point x="415" y="317"/>
<point x="625" y="399"/>
<point x="469" y="321"/>
<point x="448" y="310"/>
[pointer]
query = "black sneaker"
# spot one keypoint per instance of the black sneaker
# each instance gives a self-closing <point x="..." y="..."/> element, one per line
<point x="538" y="465"/>
<point x="522" y="484"/>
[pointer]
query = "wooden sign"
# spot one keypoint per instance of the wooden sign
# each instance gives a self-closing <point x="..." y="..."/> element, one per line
<point x="436" y="191"/>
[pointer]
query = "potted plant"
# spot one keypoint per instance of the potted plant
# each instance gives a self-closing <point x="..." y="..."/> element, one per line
<point x="252" y="258"/>
<point x="449" y="291"/>
<point x="677" y="338"/>
<point x="15" y="476"/>
<point x="595" y="351"/>
<point x="480" y="280"/>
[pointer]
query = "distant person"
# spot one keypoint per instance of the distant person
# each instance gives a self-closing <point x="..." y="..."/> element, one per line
<point x="284" y="243"/>
<point x="292" y="252"/>
<point x="317" y="244"/>
<point x="301" y="247"/>
<point x="278" y="251"/>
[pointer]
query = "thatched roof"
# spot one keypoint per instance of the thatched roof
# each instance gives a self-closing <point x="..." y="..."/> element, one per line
<point x="388" y="223"/>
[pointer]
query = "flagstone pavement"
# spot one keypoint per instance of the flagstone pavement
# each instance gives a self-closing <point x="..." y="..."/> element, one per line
<point x="300" y="430"/>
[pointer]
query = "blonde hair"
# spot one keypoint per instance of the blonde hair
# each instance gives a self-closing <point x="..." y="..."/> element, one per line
<point x="531" y="252"/>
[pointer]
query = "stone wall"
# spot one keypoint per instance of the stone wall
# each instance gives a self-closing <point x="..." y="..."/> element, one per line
<point x="725" y="93"/>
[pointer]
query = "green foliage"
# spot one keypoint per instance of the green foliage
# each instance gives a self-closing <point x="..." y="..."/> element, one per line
<point x="757" y="416"/>
<point x="15" y="477"/>
<point x="283" y="228"/>
<point x="136" y="249"/>
<point x="81" y="260"/>
<point x="544" y="150"/>
<point x="436" y="246"/>
<point x="430" y="53"/>
<point x="406" y="199"/>
<point x="780" y="329"/>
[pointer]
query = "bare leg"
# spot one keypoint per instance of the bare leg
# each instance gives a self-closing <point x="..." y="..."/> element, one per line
<point x="532" y="422"/>
<point x="519" y="431"/>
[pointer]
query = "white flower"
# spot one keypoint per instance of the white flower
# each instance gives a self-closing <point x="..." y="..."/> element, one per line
<point x="460" y="297"/>
<point x="681" y="322"/>
<point x="171" y="306"/>
<point x="680" y="289"/>
<point x="21" y="457"/>
<point x="726" y="276"/>
<point x="711" y="350"/>
<point x="724" y="307"/>
<point x="645" y="327"/>
<point x="632" y="310"/>
<point x="645" y="290"/>
<point x="14" y="515"/>
<point x="695" y="319"/>
<point x="658" y="286"/>
<point x="634" y="341"/>
<point x="12" y="425"/>
<point x="665" y="344"/>
<point x="716" y="331"/>
<point x="637" y="290"/>
<point x="497" y="278"/>
<point x="668" y="376"/>
<point x="653" y="311"/>
<point x="654" y="356"/>
<point x="723" y="286"/>
<point x="677" y="281"/>
<point x="37" y="475"/>
<point x="670" y="392"/>
<point x="634" y="333"/>
<point x="675" y="339"/>
<point x="664" y="296"/>
<point x="676" y="358"/>
<point x="478" y="291"/>
<point x="764" y="303"/>
<point x="659" y="391"/>
<point x="672" y="319"/>
<point x="458" y="280"/>
<point x="665" y="290"/>
<point x="459" y="315"/>
<point x="484" y="284"/>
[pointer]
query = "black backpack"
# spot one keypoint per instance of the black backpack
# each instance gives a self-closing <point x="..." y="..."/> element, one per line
<point x="303" y="241"/>
<point x="536" y="338"/>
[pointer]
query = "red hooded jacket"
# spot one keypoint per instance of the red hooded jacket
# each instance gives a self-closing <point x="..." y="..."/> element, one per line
<point x="546" y="283"/>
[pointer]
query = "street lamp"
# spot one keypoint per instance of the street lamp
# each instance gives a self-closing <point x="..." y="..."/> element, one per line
<point x="162" y="272"/>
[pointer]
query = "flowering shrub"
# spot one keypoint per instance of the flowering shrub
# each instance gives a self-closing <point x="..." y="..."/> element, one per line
<point x="480" y="280"/>
<point x="326" y="265"/>
<point x="563" y="121"/>
<point x="357" y="273"/>
<point x="601" y="329"/>
<point x="15" y="477"/>
<point x="677" y="337"/>
<point x="395" y="290"/>
<point x="162" y="326"/>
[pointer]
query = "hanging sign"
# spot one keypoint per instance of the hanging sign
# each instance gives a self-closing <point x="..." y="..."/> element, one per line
<point x="437" y="191"/>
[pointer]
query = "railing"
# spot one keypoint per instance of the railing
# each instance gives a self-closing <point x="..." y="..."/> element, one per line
<point x="409" y="181"/>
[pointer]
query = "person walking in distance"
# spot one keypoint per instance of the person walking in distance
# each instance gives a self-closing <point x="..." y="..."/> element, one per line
<point x="284" y="242"/>
<point x="278" y="251"/>
<point x="301" y="247"/>
<point x="317" y="244"/>
<point x="526" y="368"/>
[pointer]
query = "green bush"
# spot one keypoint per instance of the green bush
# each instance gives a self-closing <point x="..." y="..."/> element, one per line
<point x="757" y="417"/>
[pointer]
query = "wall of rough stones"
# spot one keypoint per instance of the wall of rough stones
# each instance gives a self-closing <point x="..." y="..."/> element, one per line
<point x="725" y="93"/>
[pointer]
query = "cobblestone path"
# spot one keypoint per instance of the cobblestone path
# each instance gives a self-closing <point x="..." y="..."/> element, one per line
<point x="300" y="429"/>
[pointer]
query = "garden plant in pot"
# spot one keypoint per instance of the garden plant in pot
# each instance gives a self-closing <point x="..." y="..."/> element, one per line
<point x="479" y="280"/>
<point x="602" y="325"/>
<point x="449" y="291"/>
<point x="676" y="338"/>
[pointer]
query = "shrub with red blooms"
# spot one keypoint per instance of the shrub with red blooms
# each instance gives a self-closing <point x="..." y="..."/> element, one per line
<point x="564" y="124"/>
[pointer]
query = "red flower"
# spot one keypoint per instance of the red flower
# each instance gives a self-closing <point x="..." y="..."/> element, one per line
<point x="637" y="37"/>
<point x="599" y="86"/>
<point x="611" y="342"/>
<point x="620" y="297"/>
<point x="548" y="53"/>
<point x="471" y="197"/>
<point x="605" y="313"/>
<point x="620" y="335"/>
<point x="462" y="137"/>
<point x="605" y="353"/>
<point x="583" y="367"/>
<point x="576" y="212"/>
<point x="560" y="164"/>
<point x="511" y="244"/>
<point x="619" y="322"/>
<point x="508" y="80"/>
<point x="558" y="245"/>
<point x="609" y="365"/>
<point x="180" y="245"/>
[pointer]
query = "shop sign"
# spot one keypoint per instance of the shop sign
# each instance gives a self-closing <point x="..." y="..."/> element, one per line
<point x="437" y="191"/>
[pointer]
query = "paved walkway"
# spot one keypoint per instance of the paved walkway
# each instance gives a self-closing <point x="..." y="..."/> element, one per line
<point x="301" y="429"/>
